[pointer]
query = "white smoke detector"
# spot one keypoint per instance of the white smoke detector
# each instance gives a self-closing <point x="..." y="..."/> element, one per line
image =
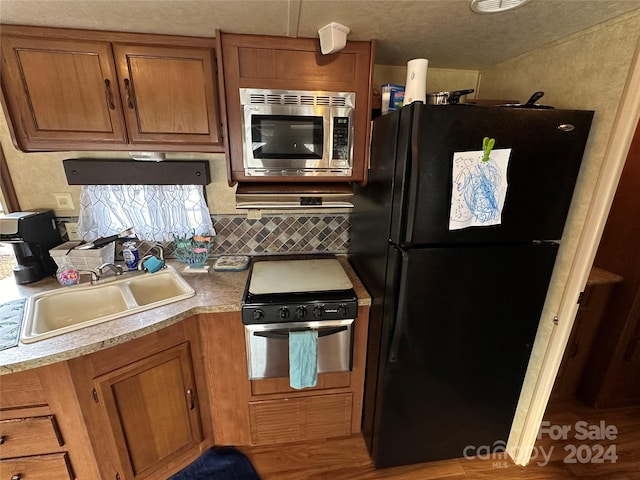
<point x="493" y="6"/>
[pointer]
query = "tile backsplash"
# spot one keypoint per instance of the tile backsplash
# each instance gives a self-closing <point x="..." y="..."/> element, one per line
<point x="273" y="234"/>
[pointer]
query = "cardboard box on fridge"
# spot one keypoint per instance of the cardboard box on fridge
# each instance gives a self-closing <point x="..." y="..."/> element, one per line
<point x="392" y="97"/>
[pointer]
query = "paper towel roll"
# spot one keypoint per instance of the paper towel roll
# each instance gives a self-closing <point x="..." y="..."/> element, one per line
<point x="416" y="86"/>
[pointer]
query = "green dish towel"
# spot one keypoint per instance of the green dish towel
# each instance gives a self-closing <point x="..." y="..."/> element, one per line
<point x="303" y="359"/>
<point x="10" y="323"/>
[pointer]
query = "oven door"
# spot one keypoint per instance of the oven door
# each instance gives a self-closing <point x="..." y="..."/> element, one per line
<point x="268" y="347"/>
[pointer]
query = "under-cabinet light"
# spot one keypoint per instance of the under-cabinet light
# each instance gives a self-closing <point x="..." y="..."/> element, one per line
<point x="148" y="156"/>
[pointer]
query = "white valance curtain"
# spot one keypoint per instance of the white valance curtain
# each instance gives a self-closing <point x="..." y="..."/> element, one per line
<point x="156" y="212"/>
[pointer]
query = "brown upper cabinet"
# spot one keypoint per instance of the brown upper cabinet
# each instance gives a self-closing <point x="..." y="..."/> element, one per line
<point x="93" y="90"/>
<point x="284" y="63"/>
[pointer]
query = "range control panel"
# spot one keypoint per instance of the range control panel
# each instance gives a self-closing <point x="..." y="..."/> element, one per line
<point x="256" y="313"/>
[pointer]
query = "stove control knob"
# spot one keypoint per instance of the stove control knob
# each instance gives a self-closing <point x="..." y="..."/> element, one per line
<point x="301" y="311"/>
<point x="258" y="314"/>
<point x="343" y="310"/>
<point x="318" y="311"/>
<point x="283" y="312"/>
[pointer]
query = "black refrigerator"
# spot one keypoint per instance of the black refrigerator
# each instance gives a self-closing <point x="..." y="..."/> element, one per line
<point x="455" y="310"/>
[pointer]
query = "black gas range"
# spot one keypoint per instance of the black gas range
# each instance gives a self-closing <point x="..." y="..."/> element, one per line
<point x="301" y="290"/>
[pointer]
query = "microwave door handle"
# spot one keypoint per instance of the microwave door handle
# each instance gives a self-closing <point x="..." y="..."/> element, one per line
<point x="284" y="334"/>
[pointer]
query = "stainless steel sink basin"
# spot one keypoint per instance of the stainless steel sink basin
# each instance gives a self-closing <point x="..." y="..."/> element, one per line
<point x="70" y="308"/>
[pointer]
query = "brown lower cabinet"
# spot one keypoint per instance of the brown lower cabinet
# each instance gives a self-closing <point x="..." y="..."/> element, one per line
<point x="151" y="410"/>
<point x="147" y="408"/>
<point x="141" y="405"/>
<point x="42" y="435"/>
<point x="32" y="447"/>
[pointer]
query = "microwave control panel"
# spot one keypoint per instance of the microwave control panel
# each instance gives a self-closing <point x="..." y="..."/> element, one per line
<point x="340" y="138"/>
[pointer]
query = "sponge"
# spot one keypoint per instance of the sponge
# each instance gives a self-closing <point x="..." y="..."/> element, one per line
<point x="153" y="264"/>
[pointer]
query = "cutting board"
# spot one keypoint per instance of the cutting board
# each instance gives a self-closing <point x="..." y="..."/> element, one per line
<point x="298" y="276"/>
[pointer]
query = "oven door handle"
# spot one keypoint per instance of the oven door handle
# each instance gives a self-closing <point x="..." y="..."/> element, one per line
<point x="282" y="334"/>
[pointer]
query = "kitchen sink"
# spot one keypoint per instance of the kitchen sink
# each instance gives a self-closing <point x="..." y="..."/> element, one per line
<point x="67" y="309"/>
<point x="75" y="307"/>
<point x="151" y="289"/>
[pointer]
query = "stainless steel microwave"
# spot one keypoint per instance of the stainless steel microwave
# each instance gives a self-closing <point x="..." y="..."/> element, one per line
<point x="297" y="132"/>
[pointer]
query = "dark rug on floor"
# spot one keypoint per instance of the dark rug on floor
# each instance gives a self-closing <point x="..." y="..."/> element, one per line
<point x="224" y="463"/>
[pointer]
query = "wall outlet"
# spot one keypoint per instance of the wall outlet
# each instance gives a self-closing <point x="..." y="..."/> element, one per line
<point x="64" y="201"/>
<point x="72" y="231"/>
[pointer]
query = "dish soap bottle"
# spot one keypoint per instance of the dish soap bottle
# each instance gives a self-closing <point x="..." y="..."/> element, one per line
<point x="67" y="273"/>
<point x="130" y="254"/>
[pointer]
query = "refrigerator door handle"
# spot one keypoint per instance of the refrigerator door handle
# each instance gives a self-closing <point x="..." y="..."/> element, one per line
<point x="414" y="175"/>
<point x="398" y="324"/>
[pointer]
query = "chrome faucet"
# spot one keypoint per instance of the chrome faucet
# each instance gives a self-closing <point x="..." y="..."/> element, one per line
<point x="116" y="269"/>
<point x="95" y="276"/>
<point x="160" y="250"/>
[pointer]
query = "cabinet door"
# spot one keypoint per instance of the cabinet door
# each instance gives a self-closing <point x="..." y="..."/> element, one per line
<point x="61" y="92"/>
<point x="151" y="410"/>
<point x="168" y="94"/>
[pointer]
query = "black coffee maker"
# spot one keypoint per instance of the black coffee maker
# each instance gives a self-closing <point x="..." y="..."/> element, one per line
<point x="31" y="234"/>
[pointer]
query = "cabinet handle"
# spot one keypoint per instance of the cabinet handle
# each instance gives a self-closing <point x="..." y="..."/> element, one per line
<point x="128" y="93"/>
<point x="108" y="94"/>
<point x="3" y="438"/>
<point x="16" y="476"/>
<point x="190" y="402"/>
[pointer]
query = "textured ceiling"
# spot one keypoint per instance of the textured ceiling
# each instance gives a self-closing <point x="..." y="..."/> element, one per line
<point x="446" y="32"/>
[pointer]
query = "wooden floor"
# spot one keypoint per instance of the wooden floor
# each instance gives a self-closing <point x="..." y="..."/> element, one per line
<point x="347" y="458"/>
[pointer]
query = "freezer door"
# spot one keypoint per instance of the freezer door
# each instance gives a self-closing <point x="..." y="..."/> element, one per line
<point x="546" y="153"/>
<point x="454" y="353"/>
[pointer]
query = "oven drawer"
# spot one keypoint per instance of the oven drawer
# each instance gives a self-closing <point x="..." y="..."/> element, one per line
<point x="268" y="347"/>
